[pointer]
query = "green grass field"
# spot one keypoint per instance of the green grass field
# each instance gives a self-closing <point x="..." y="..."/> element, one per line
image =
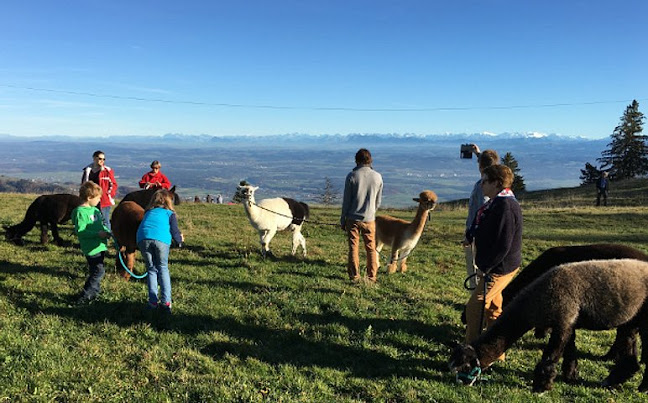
<point x="245" y="329"/>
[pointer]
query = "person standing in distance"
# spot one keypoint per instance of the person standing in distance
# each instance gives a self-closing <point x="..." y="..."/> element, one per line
<point x="477" y="199"/>
<point x="602" y="188"/>
<point x="101" y="174"/>
<point x="362" y="197"/>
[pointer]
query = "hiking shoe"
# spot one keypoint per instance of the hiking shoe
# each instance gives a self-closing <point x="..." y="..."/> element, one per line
<point x="152" y="305"/>
<point x="165" y="307"/>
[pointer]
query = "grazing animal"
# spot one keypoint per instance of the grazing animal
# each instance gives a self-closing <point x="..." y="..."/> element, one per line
<point x="49" y="211"/>
<point x="125" y="220"/>
<point x="143" y="197"/>
<point x="271" y="215"/>
<point x="401" y="235"/>
<point x="566" y="254"/>
<point x="595" y="295"/>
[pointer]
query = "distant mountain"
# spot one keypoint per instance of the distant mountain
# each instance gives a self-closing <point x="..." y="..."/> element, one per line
<point x="296" y="165"/>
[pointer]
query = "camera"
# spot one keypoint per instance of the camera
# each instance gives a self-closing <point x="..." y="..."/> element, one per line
<point x="466" y="151"/>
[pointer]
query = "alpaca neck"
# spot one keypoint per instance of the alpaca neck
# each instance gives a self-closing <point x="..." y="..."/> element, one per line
<point x="419" y="221"/>
<point x="492" y="344"/>
<point x="251" y="208"/>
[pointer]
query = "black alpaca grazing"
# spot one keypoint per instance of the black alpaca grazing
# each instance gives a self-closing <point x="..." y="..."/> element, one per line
<point x="49" y="211"/>
<point x="595" y="295"/>
<point x="143" y="197"/>
<point x="567" y="254"/>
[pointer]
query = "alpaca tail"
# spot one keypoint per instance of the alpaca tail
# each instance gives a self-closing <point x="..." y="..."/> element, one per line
<point x="31" y="216"/>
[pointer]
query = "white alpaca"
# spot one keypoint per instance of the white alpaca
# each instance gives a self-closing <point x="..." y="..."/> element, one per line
<point x="401" y="235"/>
<point x="271" y="215"/>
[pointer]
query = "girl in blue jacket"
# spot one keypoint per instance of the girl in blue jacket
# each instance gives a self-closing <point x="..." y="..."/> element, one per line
<point x="154" y="235"/>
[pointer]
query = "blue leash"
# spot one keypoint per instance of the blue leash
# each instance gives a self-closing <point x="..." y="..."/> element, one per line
<point x="121" y="260"/>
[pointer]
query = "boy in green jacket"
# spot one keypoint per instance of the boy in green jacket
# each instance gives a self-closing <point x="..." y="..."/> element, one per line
<point x="93" y="238"/>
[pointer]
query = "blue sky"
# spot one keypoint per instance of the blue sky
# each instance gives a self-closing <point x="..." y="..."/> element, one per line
<point x="97" y="68"/>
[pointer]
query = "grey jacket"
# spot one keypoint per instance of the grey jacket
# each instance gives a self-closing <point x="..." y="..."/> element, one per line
<point x="362" y="194"/>
<point x="477" y="199"/>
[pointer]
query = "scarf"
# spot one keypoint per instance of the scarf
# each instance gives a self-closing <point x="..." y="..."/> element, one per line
<point x="482" y="210"/>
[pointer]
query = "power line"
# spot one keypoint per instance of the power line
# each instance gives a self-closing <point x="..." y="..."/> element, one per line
<point x="343" y="109"/>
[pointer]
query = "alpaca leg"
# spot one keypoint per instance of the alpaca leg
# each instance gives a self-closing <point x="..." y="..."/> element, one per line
<point x="379" y="247"/>
<point x="626" y="356"/>
<point x="570" y="361"/>
<point x="55" y="234"/>
<point x="44" y="236"/>
<point x="265" y="241"/>
<point x="643" y="330"/>
<point x="403" y="265"/>
<point x="394" y="262"/>
<point x="298" y="240"/>
<point x="545" y="371"/>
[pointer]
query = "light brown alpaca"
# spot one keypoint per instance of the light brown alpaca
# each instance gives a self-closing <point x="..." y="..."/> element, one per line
<point x="401" y="235"/>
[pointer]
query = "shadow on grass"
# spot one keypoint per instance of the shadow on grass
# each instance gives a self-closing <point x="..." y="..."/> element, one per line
<point x="12" y="269"/>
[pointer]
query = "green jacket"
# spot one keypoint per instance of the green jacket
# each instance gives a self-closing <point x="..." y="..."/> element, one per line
<point x="87" y="224"/>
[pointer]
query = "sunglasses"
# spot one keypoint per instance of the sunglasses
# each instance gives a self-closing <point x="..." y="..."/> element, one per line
<point x="101" y="159"/>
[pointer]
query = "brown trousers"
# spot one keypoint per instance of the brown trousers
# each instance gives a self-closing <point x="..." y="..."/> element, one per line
<point x="493" y="304"/>
<point x="368" y="230"/>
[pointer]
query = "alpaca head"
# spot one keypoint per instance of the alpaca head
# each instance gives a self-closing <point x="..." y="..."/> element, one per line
<point x="246" y="192"/>
<point x="427" y="199"/>
<point x="10" y="234"/>
<point x="463" y="360"/>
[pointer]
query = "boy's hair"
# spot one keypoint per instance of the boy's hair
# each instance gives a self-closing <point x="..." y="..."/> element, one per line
<point x="500" y="174"/>
<point x="97" y="153"/>
<point x="363" y="157"/>
<point x="161" y="198"/>
<point x="89" y="190"/>
<point x="156" y="163"/>
<point x="488" y="158"/>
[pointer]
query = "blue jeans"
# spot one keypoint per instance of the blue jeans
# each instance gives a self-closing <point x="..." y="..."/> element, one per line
<point x="105" y="212"/>
<point x="93" y="283"/>
<point x="156" y="258"/>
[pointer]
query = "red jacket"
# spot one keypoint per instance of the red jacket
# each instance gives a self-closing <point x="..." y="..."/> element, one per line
<point x="157" y="180"/>
<point x="107" y="183"/>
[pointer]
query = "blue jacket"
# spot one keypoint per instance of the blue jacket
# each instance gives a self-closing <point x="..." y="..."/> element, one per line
<point x="159" y="224"/>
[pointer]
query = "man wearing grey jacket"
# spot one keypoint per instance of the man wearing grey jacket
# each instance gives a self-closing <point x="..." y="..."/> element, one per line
<point x="362" y="196"/>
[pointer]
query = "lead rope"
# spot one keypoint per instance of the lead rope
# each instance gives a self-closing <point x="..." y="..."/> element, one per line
<point x="121" y="260"/>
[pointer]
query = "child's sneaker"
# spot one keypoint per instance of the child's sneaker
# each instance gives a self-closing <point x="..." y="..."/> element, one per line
<point x="152" y="305"/>
<point x="166" y="307"/>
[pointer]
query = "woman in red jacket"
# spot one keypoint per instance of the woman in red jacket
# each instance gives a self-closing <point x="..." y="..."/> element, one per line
<point x="155" y="179"/>
<point x="101" y="174"/>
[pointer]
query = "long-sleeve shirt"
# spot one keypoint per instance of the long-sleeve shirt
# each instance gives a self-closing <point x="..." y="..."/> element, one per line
<point x="159" y="224"/>
<point x="362" y="194"/>
<point x="105" y="178"/>
<point x="498" y="237"/>
<point x="88" y="222"/>
<point x="156" y="180"/>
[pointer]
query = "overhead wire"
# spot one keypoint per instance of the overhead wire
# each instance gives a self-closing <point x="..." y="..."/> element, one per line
<point x="317" y="108"/>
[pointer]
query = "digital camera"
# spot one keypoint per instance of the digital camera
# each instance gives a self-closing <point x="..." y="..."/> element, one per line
<point x="466" y="151"/>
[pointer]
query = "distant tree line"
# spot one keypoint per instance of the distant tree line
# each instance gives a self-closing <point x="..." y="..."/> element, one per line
<point x="13" y="185"/>
<point x="627" y="154"/>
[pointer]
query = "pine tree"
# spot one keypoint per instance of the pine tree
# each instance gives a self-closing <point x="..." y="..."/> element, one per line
<point x="518" y="186"/>
<point x="589" y="175"/>
<point x="330" y="194"/>
<point x="627" y="153"/>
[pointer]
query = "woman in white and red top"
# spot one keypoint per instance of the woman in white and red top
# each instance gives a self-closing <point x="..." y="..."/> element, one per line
<point x="101" y="174"/>
<point x="155" y="179"/>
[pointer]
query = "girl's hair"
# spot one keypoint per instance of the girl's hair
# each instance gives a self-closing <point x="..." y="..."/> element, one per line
<point x="89" y="190"/>
<point x="161" y="198"/>
<point x="363" y="157"/>
<point x="500" y="174"/>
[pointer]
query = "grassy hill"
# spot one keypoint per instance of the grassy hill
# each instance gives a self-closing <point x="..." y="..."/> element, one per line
<point x="245" y="329"/>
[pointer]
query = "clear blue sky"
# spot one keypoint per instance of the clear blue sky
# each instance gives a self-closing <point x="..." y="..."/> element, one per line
<point x="395" y="66"/>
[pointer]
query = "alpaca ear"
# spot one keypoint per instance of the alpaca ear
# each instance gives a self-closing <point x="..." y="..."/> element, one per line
<point x="416" y="199"/>
<point x="172" y="190"/>
<point x="255" y="188"/>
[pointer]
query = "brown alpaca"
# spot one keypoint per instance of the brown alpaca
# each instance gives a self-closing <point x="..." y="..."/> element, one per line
<point x="566" y="254"/>
<point x="124" y="221"/>
<point x="594" y="295"/>
<point x="401" y="235"/>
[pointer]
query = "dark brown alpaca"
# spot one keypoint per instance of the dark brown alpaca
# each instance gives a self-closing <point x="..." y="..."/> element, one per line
<point x="143" y="197"/>
<point x="595" y="295"/>
<point x="566" y="254"/>
<point x="125" y="220"/>
<point x="49" y="211"/>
